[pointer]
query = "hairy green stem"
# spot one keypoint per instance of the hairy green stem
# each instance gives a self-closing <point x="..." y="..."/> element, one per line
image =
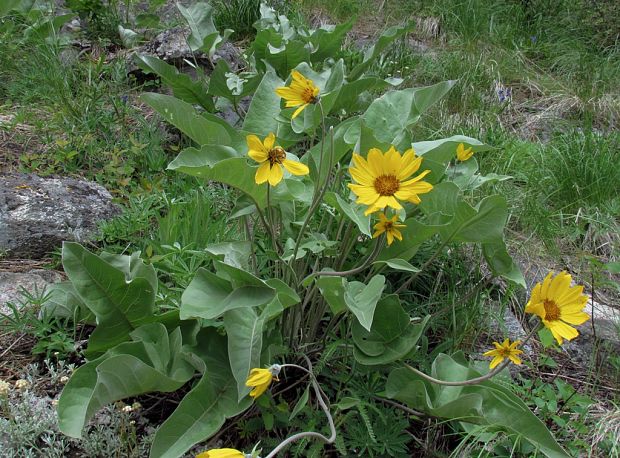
<point x="309" y="434"/>
<point x="473" y="381"/>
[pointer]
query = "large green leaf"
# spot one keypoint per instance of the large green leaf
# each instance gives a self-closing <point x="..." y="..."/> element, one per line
<point x="154" y="361"/>
<point x="332" y="290"/>
<point x="199" y="17"/>
<point x="341" y="148"/>
<point x="184" y="117"/>
<point x="283" y="55"/>
<point x="327" y="41"/>
<point x="485" y="404"/>
<point x="362" y="299"/>
<point x="353" y="211"/>
<point x="229" y="85"/>
<point x="244" y="328"/>
<point x="234" y="171"/>
<point x="393" y="112"/>
<point x="181" y="84"/>
<point x="265" y="107"/>
<point x="459" y="221"/>
<point x="438" y="153"/>
<point x="235" y="253"/>
<point x="209" y="296"/>
<point x="414" y="235"/>
<point x="349" y="97"/>
<point x="119" y="303"/>
<point x="501" y="263"/>
<point x="387" y="37"/>
<point x="203" y="411"/>
<point x="22" y="6"/>
<point x="391" y="337"/>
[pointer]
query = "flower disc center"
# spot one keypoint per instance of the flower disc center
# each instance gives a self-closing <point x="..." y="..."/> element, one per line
<point x="308" y="95"/>
<point x="276" y="155"/>
<point x="552" y="311"/>
<point x="386" y="185"/>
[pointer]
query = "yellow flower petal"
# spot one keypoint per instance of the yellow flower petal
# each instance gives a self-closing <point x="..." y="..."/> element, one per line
<point x="275" y="175"/>
<point x="258" y="156"/>
<point x="262" y="174"/>
<point x="221" y="453"/>
<point x="299" y="110"/>
<point x="295" y="168"/>
<point x="270" y="140"/>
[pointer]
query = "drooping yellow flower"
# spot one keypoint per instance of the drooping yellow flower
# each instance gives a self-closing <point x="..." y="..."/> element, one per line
<point x="271" y="159"/>
<point x="300" y="93"/>
<point x="463" y="154"/>
<point x="390" y="227"/>
<point x="260" y="379"/>
<point x="382" y="179"/>
<point x="558" y="304"/>
<point x="503" y="351"/>
<point x="221" y="453"/>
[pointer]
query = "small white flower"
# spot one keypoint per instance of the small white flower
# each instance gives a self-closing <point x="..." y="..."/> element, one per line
<point x="22" y="385"/>
<point x="64" y="379"/>
<point x="127" y="409"/>
<point x="132" y="422"/>
<point x="54" y="402"/>
<point x="4" y="389"/>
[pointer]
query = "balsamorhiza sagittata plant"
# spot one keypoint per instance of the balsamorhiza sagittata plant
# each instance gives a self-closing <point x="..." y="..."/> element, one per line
<point x="300" y="93"/>
<point x="320" y="284"/>
<point x="559" y="305"/>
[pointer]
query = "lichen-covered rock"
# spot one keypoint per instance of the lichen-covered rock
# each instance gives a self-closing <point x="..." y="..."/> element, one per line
<point x="37" y="214"/>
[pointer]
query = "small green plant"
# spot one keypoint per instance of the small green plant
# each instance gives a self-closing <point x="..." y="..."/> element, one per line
<point x="53" y="335"/>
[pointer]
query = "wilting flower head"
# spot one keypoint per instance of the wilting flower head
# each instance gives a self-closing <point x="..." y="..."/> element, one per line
<point x="382" y="179"/>
<point x="503" y="351"/>
<point x="222" y="453"/>
<point x="260" y="379"/>
<point x="300" y="93"/>
<point x="271" y="159"/>
<point x="558" y="304"/>
<point x="389" y="226"/>
<point x="463" y="154"/>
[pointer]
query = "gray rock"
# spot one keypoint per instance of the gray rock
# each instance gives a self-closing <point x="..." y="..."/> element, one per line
<point x="171" y="46"/>
<point x="12" y="285"/>
<point x="38" y="214"/>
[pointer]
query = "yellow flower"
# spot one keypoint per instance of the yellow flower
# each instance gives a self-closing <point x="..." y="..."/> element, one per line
<point x="382" y="178"/>
<point x="300" y="93"/>
<point x="558" y="304"/>
<point x="463" y="154"/>
<point x="260" y="379"/>
<point x="503" y="351"/>
<point x="271" y="159"/>
<point x="388" y="226"/>
<point x="221" y="453"/>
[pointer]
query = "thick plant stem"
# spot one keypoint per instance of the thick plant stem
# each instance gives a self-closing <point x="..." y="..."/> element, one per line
<point x="321" y="188"/>
<point x="308" y="434"/>
<point x="344" y="273"/>
<point x="473" y="381"/>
